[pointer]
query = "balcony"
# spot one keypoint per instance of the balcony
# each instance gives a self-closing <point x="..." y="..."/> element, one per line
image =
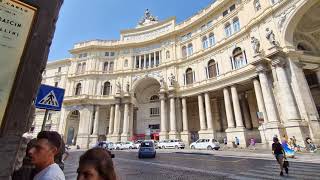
<point x="100" y="99"/>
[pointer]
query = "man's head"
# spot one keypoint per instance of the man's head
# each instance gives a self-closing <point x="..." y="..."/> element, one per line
<point x="46" y="147"/>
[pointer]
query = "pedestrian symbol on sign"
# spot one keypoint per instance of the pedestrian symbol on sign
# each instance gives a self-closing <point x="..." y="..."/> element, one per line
<point x="50" y="99"/>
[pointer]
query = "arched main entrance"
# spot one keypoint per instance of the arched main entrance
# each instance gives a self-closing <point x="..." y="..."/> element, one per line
<point x="301" y="33"/>
<point x="72" y="127"/>
<point x="146" y="115"/>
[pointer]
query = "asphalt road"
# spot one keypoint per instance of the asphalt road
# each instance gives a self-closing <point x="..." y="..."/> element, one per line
<point x="198" y="166"/>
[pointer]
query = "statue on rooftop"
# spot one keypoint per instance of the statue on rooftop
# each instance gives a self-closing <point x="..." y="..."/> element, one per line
<point x="147" y="18"/>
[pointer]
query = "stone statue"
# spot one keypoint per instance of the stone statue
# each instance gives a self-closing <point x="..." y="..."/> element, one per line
<point x="118" y="87"/>
<point x="172" y="79"/>
<point x="161" y="82"/>
<point x="147" y="18"/>
<point x="255" y="45"/>
<point x="271" y="37"/>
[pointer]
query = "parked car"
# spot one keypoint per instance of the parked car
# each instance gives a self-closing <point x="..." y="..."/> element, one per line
<point x="147" y="149"/>
<point x="105" y="145"/>
<point x="205" y="144"/>
<point x="124" y="145"/>
<point x="138" y="143"/>
<point x="171" y="143"/>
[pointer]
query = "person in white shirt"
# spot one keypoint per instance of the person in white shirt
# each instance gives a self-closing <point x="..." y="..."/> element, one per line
<point x="42" y="156"/>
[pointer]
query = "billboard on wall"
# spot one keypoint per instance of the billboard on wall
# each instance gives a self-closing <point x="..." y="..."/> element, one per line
<point x="16" y="20"/>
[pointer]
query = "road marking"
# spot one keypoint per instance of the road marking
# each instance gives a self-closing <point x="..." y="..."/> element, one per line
<point x="210" y="160"/>
<point x="175" y="167"/>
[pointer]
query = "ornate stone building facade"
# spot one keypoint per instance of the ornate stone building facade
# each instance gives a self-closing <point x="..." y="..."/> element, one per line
<point x="238" y="68"/>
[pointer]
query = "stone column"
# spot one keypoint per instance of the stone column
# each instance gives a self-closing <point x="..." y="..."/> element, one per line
<point x="236" y="107"/>
<point x="96" y="122"/>
<point x="125" y="133"/>
<point x="228" y="107"/>
<point x="267" y="94"/>
<point x="117" y="114"/>
<point x="111" y="121"/>
<point x="203" y="125"/>
<point x="163" y="117"/>
<point x="173" y="122"/>
<point x="245" y="110"/>
<point x="287" y="102"/>
<point x="184" y="115"/>
<point x="305" y="99"/>
<point x="208" y="112"/>
<point x="259" y="97"/>
<point x="84" y="127"/>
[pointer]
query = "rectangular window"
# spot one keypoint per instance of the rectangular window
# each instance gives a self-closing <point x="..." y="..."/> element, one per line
<point x="203" y="27"/>
<point x="106" y="54"/>
<point x="56" y="84"/>
<point x="137" y="61"/>
<point x="85" y="55"/>
<point x="157" y="58"/>
<point x="154" y="111"/>
<point x="233" y="7"/>
<point x="209" y="24"/>
<point x="111" y="53"/>
<point x="225" y="13"/>
<point x="59" y="69"/>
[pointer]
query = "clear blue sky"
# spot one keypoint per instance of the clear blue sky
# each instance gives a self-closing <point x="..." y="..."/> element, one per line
<point x="81" y="20"/>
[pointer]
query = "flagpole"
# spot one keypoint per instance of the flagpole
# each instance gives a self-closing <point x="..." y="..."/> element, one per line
<point x="44" y="120"/>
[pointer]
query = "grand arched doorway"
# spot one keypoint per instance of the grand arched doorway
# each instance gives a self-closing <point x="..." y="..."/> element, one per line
<point x="72" y="127"/>
<point x="301" y="35"/>
<point x="146" y="115"/>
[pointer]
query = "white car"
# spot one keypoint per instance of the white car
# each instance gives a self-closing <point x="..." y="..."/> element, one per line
<point x="124" y="145"/>
<point x="208" y="144"/>
<point x="171" y="143"/>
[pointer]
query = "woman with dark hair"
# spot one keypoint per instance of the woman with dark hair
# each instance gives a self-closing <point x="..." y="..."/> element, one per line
<point x="279" y="154"/>
<point x="96" y="164"/>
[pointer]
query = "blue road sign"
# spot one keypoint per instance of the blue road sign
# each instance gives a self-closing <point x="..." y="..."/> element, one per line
<point x="49" y="97"/>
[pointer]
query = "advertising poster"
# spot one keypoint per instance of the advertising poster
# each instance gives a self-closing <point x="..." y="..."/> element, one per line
<point x="16" y="20"/>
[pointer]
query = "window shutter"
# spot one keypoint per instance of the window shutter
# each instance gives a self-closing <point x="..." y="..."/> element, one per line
<point x="206" y="69"/>
<point x="245" y="56"/>
<point x="232" y="62"/>
<point x="184" y="79"/>
<point x="217" y="67"/>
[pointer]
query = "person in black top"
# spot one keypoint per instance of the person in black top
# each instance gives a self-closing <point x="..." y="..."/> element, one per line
<point x="279" y="154"/>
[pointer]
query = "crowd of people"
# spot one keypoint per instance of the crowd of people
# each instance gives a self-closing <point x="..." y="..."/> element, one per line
<point x="45" y="157"/>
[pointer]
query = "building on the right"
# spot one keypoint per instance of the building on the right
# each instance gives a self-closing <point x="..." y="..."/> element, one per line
<point x="245" y="69"/>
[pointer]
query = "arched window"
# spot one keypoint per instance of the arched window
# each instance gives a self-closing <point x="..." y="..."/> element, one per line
<point x="227" y="29"/>
<point x="239" y="59"/>
<point x="212" y="39"/>
<point x="111" y="66"/>
<point x="257" y="5"/>
<point x="212" y="69"/>
<point x="190" y="49"/>
<point x="105" y="66"/>
<point x="78" y="68"/>
<point x="184" y="51"/>
<point x="189" y="76"/>
<point x="167" y="54"/>
<point x="78" y="89"/>
<point x="154" y="98"/>
<point x="106" y="88"/>
<point x="83" y="67"/>
<point x="205" y="43"/>
<point x="236" y="24"/>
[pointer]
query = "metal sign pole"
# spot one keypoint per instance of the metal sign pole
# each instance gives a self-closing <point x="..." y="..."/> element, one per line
<point x="44" y="120"/>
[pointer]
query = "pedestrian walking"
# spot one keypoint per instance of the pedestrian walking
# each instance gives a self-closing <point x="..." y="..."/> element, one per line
<point x="310" y="146"/>
<point x="42" y="154"/>
<point x="252" y="145"/>
<point x="279" y="154"/>
<point x="96" y="164"/>
<point x="237" y="141"/>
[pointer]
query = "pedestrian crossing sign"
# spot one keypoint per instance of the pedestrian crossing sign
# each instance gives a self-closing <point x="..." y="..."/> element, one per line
<point x="49" y="98"/>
